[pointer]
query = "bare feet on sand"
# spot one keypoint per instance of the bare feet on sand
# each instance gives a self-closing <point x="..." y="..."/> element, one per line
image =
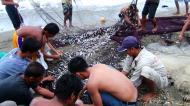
<point x="71" y="26"/>
<point x="186" y="15"/>
<point x="147" y="97"/>
<point x="176" y="13"/>
<point x="154" y="29"/>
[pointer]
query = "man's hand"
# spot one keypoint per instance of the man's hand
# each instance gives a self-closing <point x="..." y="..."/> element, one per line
<point x="56" y="56"/>
<point x="60" y="52"/>
<point x="16" y="5"/>
<point x="79" y="103"/>
<point x="49" y="78"/>
<point x="180" y="37"/>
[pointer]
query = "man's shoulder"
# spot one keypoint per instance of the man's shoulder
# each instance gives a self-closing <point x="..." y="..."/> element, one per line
<point x="145" y="54"/>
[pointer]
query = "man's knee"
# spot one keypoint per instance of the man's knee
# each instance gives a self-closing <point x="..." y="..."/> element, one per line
<point x="151" y="75"/>
<point x="146" y="72"/>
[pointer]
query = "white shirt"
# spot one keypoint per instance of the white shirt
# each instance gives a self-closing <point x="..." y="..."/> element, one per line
<point x="144" y="58"/>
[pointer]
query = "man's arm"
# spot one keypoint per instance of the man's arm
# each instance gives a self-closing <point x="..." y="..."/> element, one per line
<point x="95" y="95"/>
<point x="126" y="65"/>
<point x="44" y="92"/>
<point x="181" y="35"/>
<point x="54" y="49"/>
<point x="47" y="55"/>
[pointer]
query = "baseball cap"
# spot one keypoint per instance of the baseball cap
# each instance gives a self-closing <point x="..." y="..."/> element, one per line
<point x="128" y="42"/>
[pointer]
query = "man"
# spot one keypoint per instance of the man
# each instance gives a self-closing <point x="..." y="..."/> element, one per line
<point x="17" y="87"/>
<point x="186" y="6"/>
<point x="67" y="11"/>
<point x="42" y="35"/>
<point x="14" y="15"/>
<point x="150" y="10"/>
<point x="17" y="60"/>
<point x="67" y="90"/>
<point x="106" y="85"/>
<point x="186" y="25"/>
<point x="129" y="14"/>
<point x="143" y="67"/>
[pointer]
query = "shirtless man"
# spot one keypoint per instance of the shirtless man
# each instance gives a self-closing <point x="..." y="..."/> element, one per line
<point x="106" y="85"/>
<point x="14" y="15"/>
<point x="42" y="35"/>
<point x="67" y="90"/>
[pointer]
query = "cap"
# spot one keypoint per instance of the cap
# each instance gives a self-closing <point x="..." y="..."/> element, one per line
<point x="128" y="42"/>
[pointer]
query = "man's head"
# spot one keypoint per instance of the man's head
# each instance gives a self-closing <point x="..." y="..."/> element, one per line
<point x="68" y="88"/>
<point x="131" y="45"/>
<point x="30" y="46"/>
<point x="50" y="30"/>
<point x="78" y="66"/>
<point x="34" y="73"/>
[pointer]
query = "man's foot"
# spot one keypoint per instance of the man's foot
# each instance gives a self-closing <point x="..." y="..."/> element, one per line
<point x="71" y="26"/>
<point x="186" y="15"/>
<point x="176" y="13"/>
<point x="154" y="29"/>
<point x="65" y="25"/>
<point x="149" y="96"/>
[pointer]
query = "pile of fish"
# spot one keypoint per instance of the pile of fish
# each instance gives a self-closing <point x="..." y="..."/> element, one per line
<point x="94" y="45"/>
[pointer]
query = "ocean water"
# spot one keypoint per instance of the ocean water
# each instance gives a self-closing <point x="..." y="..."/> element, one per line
<point x="86" y="12"/>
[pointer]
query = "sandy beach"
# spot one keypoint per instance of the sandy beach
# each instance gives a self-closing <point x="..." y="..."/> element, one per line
<point x="99" y="48"/>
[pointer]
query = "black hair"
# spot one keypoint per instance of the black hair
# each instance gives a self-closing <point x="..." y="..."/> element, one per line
<point x="77" y="64"/>
<point x="30" y="45"/>
<point x="51" y="28"/>
<point x="67" y="85"/>
<point x="34" y="69"/>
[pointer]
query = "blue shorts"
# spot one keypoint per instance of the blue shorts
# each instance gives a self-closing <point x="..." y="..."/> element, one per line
<point x="109" y="100"/>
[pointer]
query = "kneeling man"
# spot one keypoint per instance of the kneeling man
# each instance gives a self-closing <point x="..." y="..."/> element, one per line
<point x="143" y="67"/>
<point x="106" y="85"/>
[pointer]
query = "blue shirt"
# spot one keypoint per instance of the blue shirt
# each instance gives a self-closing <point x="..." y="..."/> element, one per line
<point x="12" y="64"/>
<point x="15" y="88"/>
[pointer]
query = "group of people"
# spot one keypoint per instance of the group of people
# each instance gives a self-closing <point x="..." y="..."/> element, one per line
<point x="17" y="20"/>
<point x="106" y="85"/>
<point x="128" y="13"/>
<point x="21" y="75"/>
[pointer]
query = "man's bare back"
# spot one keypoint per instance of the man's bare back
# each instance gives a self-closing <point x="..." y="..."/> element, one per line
<point x="113" y="82"/>
<point x="39" y="101"/>
<point x="30" y="31"/>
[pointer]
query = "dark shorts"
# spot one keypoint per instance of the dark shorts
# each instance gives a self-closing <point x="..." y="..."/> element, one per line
<point x="109" y="100"/>
<point x="150" y="10"/>
<point x="14" y="15"/>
